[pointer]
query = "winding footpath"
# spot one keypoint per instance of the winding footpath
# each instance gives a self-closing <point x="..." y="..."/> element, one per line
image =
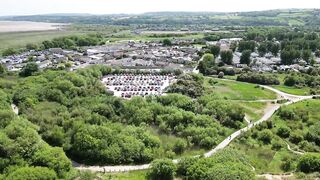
<point x="268" y="114"/>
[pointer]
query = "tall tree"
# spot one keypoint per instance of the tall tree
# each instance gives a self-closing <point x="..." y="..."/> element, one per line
<point x="245" y="57"/>
<point x="215" y="50"/>
<point x="262" y="49"/>
<point x="274" y="49"/>
<point x="226" y="57"/>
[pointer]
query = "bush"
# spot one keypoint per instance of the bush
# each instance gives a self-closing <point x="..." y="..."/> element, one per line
<point x="296" y="137"/>
<point x="309" y="163"/>
<point x="258" y="79"/>
<point x="29" y="70"/>
<point x="284" y="132"/>
<point x="179" y="146"/>
<point x="162" y="169"/>
<point x="30" y="173"/>
<point x="184" y="164"/>
<point x="167" y="42"/>
<point x="265" y="136"/>
<point x="220" y="75"/>
<point x="9" y="52"/>
<point x="207" y="142"/>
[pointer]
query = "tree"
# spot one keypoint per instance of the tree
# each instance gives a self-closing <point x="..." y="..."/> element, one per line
<point x="227" y="57"/>
<point x="9" y="52"/>
<point x="28" y="173"/>
<point x="262" y="49"/>
<point x="29" y="69"/>
<point x="274" y="49"/>
<point x="207" y="63"/>
<point x="47" y="44"/>
<point x="306" y="55"/>
<point x="162" y="169"/>
<point x="53" y="158"/>
<point x="179" y="146"/>
<point x="309" y="163"/>
<point x="247" y="45"/>
<point x="215" y="50"/>
<point x="265" y="136"/>
<point x="225" y="165"/>
<point x="184" y="164"/>
<point x="3" y="69"/>
<point x="289" y="57"/>
<point x="317" y="53"/>
<point x="245" y="57"/>
<point x="31" y="46"/>
<point x="284" y="132"/>
<point x="296" y="137"/>
<point x="167" y="42"/>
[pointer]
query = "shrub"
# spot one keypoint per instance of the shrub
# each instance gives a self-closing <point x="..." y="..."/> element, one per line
<point x="162" y="169"/>
<point x="265" y="136"/>
<point x="258" y="79"/>
<point x="179" y="146"/>
<point x="284" y="132"/>
<point x="309" y="163"/>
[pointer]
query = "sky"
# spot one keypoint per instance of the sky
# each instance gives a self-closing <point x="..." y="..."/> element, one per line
<point x="32" y="7"/>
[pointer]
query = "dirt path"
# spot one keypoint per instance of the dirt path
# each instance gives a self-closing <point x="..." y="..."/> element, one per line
<point x="276" y="176"/>
<point x="293" y="151"/>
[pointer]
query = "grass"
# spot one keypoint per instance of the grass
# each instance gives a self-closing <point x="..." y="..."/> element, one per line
<point x="148" y="37"/>
<point x="262" y="156"/>
<point x="167" y="142"/>
<point x="253" y="110"/>
<point x="293" y="90"/>
<point x="132" y="175"/>
<point x="20" y="39"/>
<point x="232" y="90"/>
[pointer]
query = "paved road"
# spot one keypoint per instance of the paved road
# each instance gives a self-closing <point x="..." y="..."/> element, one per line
<point x="270" y="111"/>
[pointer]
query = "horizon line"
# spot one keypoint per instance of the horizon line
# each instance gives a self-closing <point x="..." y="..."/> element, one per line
<point x="146" y="12"/>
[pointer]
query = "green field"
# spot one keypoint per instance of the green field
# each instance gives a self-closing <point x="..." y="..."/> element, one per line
<point x="132" y="175"/>
<point x="20" y="39"/>
<point x="293" y="90"/>
<point x="233" y="90"/>
<point x="253" y="110"/>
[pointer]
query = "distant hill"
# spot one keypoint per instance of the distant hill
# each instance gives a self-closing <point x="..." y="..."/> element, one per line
<point x="289" y="17"/>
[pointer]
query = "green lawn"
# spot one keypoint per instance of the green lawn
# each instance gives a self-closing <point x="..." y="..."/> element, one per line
<point x="237" y="90"/>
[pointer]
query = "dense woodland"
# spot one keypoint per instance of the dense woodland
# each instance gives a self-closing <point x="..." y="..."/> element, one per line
<point x="71" y="113"/>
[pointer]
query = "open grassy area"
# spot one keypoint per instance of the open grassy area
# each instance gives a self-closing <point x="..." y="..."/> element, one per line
<point x="293" y="90"/>
<point x="168" y="141"/>
<point x="262" y="157"/>
<point x="132" y="175"/>
<point x="126" y="35"/>
<point x="20" y="39"/>
<point x="253" y="110"/>
<point x="237" y="90"/>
